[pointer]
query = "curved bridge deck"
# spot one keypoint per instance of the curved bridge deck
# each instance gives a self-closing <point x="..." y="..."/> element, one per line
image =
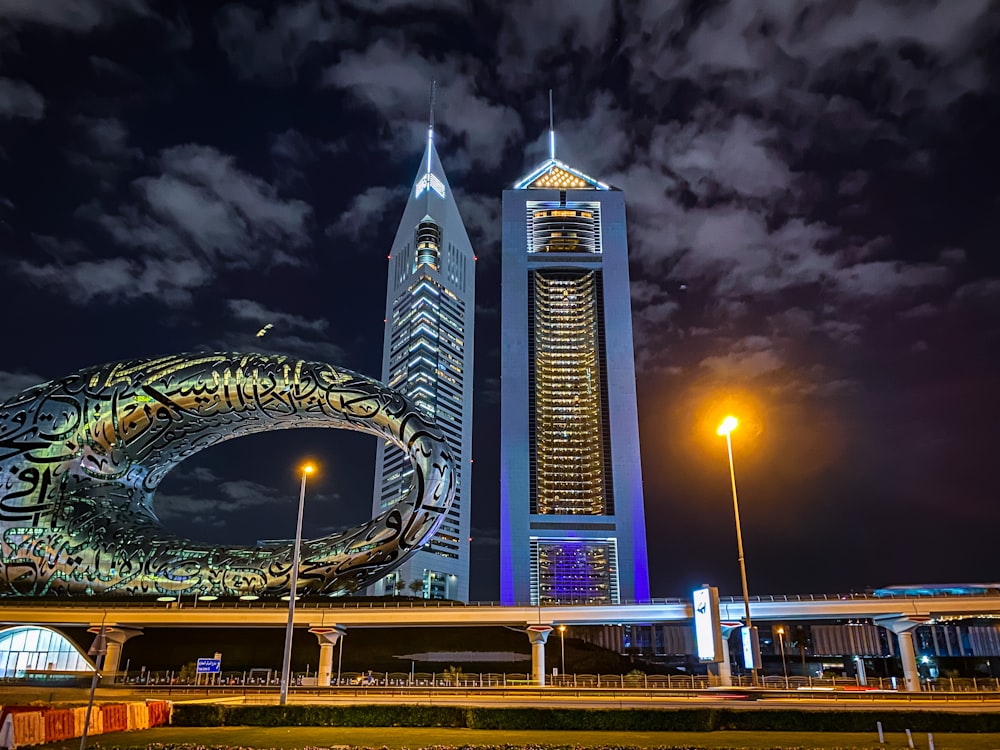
<point x="432" y="613"/>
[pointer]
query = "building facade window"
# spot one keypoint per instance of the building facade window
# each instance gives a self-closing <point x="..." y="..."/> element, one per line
<point x="571" y="227"/>
<point x="428" y="243"/>
<point x="32" y="649"/>
<point x="574" y="571"/>
<point x="568" y="444"/>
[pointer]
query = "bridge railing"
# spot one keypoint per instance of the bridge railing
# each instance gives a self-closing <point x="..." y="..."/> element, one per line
<point x="400" y="602"/>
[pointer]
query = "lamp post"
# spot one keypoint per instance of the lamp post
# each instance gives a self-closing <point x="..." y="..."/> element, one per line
<point x="562" y="652"/>
<point x="286" y="662"/>
<point x="98" y="649"/>
<point x="781" y="645"/>
<point x="728" y="425"/>
<point x="340" y="657"/>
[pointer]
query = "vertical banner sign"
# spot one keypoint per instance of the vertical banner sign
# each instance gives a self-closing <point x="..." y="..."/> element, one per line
<point x="751" y="647"/>
<point x="707" y="630"/>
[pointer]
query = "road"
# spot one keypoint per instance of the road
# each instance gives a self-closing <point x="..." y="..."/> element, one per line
<point x="535" y="697"/>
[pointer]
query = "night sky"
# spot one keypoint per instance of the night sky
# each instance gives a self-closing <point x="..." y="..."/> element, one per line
<point x="814" y="207"/>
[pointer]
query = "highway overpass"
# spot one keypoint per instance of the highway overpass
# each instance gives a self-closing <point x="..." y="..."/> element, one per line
<point x="329" y="619"/>
<point x="406" y="612"/>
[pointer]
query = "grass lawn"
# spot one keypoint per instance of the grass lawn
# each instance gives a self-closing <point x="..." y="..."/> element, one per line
<point x="400" y="737"/>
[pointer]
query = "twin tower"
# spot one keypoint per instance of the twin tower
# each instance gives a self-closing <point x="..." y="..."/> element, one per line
<point x="572" y="527"/>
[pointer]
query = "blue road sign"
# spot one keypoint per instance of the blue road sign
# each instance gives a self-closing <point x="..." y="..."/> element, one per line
<point x="208" y="666"/>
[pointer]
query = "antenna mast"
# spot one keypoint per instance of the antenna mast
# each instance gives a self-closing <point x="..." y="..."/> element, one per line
<point x="552" y="130"/>
<point x="433" y="94"/>
<point x="430" y="126"/>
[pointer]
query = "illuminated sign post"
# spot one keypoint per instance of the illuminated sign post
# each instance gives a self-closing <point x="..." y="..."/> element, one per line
<point x="208" y="666"/>
<point x="707" y="630"/>
<point x="750" y="643"/>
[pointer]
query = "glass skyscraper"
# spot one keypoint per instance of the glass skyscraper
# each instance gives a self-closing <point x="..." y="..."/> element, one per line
<point x="572" y="526"/>
<point x="428" y="355"/>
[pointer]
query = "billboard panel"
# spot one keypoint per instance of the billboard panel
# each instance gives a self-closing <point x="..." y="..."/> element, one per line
<point x="750" y="646"/>
<point x="707" y="631"/>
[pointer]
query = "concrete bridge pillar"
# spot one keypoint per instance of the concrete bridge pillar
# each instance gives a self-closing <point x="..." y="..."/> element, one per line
<point x="859" y="668"/>
<point x="115" y="638"/>
<point x="537" y="635"/>
<point x="327" y="637"/>
<point x="903" y="627"/>
<point x="723" y="669"/>
<point x="909" y="656"/>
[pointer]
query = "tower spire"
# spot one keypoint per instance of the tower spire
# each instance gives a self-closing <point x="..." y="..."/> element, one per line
<point x="552" y="130"/>
<point x="429" y="180"/>
<point x="430" y="126"/>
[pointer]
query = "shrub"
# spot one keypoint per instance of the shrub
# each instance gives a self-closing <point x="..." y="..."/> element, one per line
<point x="638" y="719"/>
<point x="199" y="715"/>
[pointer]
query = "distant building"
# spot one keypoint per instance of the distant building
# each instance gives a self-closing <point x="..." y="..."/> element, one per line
<point x="428" y="355"/>
<point x="572" y="526"/>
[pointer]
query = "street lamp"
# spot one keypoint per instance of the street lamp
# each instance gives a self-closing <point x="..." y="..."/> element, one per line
<point x="340" y="656"/>
<point x="98" y="649"/>
<point x="562" y="652"/>
<point x="728" y="425"/>
<point x="286" y="662"/>
<point x="781" y="644"/>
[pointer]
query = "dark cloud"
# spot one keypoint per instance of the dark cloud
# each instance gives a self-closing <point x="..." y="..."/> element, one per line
<point x="288" y="333"/>
<point x="535" y="36"/>
<point x="393" y="79"/>
<point x="107" y="137"/>
<point x="984" y="292"/>
<point x="104" y="150"/>
<point x="201" y="214"/>
<point x="481" y="216"/>
<point x="294" y="153"/>
<point x="201" y="203"/>
<point x="105" y="67"/>
<point x="220" y="501"/>
<point x="120" y="279"/>
<point x="386" y="7"/>
<point x="203" y="199"/>
<point x="18" y="99"/>
<point x="314" y="347"/>
<point x="270" y="46"/>
<point x="254" y="312"/>
<point x="367" y="210"/>
<point x="70" y="15"/>
<point x="198" y="474"/>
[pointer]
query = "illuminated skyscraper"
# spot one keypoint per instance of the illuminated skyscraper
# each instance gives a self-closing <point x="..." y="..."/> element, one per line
<point x="427" y="354"/>
<point x="572" y="526"/>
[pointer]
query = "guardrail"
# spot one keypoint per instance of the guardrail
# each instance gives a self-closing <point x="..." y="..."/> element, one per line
<point x="474" y="681"/>
<point x="269" y="695"/>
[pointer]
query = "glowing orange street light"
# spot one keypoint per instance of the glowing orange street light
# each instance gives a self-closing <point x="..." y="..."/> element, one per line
<point x="729" y="424"/>
<point x="286" y="662"/>
<point x="562" y="651"/>
<point x="781" y="643"/>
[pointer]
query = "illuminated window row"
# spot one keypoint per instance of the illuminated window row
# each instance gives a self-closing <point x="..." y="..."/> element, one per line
<point x="567" y="416"/>
<point x="574" y="571"/>
<point x="562" y="179"/>
<point x="428" y="243"/>
<point x="572" y="227"/>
